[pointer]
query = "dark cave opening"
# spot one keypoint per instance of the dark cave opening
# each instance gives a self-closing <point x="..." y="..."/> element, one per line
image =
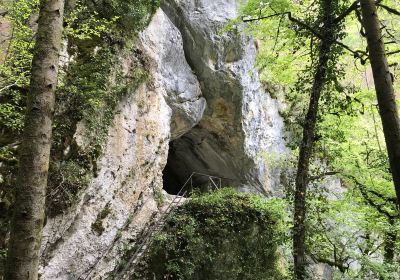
<point x="200" y="153"/>
<point x="181" y="163"/>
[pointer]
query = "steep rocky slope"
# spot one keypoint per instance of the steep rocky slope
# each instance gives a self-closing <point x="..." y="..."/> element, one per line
<point x="203" y="109"/>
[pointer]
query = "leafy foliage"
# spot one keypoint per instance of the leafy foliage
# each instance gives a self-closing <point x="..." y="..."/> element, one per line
<point x="355" y="230"/>
<point x="15" y="65"/>
<point x="220" y="235"/>
<point x="99" y="37"/>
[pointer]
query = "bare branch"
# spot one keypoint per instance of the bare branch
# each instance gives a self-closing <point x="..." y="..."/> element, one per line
<point x="389" y="9"/>
<point x="320" y="176"/>
<point x="250" y="19"/>
<point x="393" y="52"/>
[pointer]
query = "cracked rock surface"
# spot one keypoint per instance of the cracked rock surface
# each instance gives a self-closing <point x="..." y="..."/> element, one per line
<point x="241" y="122"/>
<point x="203" y="109"/>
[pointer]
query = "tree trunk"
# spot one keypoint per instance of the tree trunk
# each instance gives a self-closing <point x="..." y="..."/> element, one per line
<point x="384" y="89"/>
<point x="29" y="209"/>
<point x="302" y="177"/>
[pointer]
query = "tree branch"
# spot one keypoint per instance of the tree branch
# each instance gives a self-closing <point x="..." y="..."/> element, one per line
<point x="393" y="52"/>
<point x="357" y="54"/>
<point x="290" y="17"/>
<point x="320" y="176"/>
<point x="371" y="202"/>
<point x="250" y="19"/>
<point x="389" y="9"/>
<point x="347" y="12"/>
<point x="336" y="263"/>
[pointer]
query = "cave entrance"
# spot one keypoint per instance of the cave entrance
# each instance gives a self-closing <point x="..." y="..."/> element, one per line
<point x="198" y="157"/>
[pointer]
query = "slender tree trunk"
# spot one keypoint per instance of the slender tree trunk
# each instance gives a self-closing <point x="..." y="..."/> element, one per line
<point x="302" y="177"/>
<point x="384" y="89"/>
<point x="29" y="209"/>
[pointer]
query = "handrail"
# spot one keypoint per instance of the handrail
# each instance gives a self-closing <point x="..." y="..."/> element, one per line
<point x="164" y="214"/>
<point x="157" y="226"/>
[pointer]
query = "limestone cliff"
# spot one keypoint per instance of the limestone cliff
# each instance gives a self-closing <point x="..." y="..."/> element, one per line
<point x="202" y="110"/>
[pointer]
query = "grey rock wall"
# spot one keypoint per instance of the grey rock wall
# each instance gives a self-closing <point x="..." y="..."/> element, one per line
<point x="241" y="121"/>
<point x="203" y="109"/>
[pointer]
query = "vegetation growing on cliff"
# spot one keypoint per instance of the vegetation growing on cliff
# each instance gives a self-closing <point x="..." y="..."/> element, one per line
<point x="321" y="53"/>
<point x="91" y="82"/>
<point x="220" y="235"/>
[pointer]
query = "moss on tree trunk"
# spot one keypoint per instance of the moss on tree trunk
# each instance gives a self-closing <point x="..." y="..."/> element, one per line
<point x="30" y="193"/>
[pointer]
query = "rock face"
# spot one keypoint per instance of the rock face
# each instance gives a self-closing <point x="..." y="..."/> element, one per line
<point x="202" y="110"/>
<point x="241" y="121"/>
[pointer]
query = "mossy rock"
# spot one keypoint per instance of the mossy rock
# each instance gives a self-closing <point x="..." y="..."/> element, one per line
<point x="220" y="235"/>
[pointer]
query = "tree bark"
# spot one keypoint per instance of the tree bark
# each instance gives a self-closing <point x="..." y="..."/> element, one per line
<point x="29" y="209"/>
<point x="384" y="89"/>
<point x="302" y="177"/>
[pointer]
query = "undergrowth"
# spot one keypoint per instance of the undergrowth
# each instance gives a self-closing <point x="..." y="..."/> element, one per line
<point x="218" y="235"/>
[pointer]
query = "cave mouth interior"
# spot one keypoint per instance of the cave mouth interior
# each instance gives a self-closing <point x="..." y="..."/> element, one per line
<point x="197" y="151"/>
<point x="181" y="163"/>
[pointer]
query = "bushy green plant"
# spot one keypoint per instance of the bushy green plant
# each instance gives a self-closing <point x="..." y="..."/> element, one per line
<point x="220" y="235"/>
<point x="130" y="16"/>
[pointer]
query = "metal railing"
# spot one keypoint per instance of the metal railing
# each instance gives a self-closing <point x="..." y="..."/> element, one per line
<point x="215" y="183"/>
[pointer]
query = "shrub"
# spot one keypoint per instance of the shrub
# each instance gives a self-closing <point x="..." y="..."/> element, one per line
<point x="220" y="235"/>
